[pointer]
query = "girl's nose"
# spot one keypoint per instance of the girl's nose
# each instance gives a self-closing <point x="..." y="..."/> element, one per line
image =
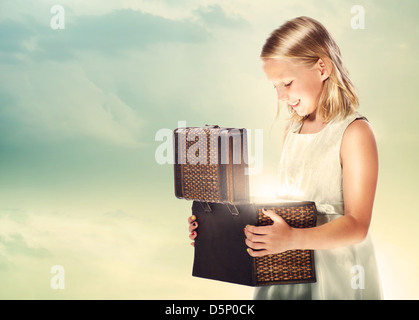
<point x="282" y="93"/>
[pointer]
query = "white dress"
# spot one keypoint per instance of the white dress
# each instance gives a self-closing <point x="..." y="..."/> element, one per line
<point x="310" y="170"/>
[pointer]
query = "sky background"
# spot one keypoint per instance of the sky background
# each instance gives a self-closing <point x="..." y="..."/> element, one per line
<point x="80" y="184"/>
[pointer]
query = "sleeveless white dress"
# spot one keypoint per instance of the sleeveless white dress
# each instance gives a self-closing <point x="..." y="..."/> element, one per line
<point x="310" y="169"/>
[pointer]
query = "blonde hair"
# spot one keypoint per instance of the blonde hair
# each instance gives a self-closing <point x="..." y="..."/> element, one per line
<point x="305" y="40"/>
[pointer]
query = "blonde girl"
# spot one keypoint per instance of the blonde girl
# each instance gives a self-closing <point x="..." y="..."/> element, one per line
<point x="329" y="156"/>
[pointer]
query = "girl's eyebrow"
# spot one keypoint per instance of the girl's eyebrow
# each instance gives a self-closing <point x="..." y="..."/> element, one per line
<point x="281" y="81"/>
<point x="283" y="77"/>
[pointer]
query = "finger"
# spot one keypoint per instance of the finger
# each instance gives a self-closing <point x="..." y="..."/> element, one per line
<point x="255" y="245"/>
<point x="271" y="214"/>
<point x="192" y="235"/>
<point x="254" y="237"/>
<point x="193" y="244"/>
<point x="255" y="254"/>
<point x="193" y="226"/>
<point x="260" y="230"/>
<point x="191" y="219"/>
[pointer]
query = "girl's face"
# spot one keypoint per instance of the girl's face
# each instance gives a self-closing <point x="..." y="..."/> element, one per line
<point x="297" y="85"/>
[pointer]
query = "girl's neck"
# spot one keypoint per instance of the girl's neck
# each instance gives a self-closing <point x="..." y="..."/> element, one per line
<point x="312" y="124"/>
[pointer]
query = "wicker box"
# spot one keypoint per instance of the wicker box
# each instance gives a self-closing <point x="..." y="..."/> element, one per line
<point x="211" y="164"/>
<point x="220" y="249"/>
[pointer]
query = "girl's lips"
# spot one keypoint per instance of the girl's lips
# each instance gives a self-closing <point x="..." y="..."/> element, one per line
<point x="295" y="104"/>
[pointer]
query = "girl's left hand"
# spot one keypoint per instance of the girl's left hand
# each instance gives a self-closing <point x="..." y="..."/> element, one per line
<point x="270" y="239"/>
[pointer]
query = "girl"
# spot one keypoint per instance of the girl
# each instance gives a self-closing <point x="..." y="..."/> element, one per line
<point x="330" y="157"/>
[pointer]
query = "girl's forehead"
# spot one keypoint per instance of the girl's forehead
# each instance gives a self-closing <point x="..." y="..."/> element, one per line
<point x="279" y="68"/>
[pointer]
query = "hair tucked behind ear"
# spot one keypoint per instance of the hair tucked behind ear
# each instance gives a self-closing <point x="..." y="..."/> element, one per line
<point x="306" y="40"/>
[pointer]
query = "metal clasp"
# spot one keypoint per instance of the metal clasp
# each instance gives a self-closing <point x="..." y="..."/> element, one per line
<point x="233" y="209"/>
<point x="206" y="207"/>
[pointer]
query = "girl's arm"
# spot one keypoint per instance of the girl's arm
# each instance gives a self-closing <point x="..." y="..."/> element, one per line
<point x="359" y="159"/>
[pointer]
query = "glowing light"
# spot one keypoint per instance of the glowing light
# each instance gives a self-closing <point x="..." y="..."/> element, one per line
<point x="263" y="187"/>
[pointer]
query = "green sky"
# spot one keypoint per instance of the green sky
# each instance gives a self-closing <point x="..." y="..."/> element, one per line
<point x="80" y="107"/>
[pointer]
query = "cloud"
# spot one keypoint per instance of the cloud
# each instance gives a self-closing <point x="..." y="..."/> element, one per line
<point x="12" y="35"/>
<point x="17" y="215"/>
<point x="215" y="16"/>
<point x="15" y="244"/>
<point x="110" y="33"/>
<point x="53" y="94"/>
<point x="97" y="250"/>
<point x="118" y="214"/>
<point x="58" y="101"/>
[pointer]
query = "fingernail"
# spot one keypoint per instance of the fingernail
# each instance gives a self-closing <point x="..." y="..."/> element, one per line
<point x="194" y="224"/>
<point x="248" y="250"/>
<point x="193" y="218"/>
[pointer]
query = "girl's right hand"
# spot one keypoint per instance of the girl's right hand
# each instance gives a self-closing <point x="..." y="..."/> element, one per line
<point x="193" y="224"/>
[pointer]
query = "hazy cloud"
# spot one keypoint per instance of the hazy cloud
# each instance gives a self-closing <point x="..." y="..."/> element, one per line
<point x="110" y="33"/>
<point x="65" y="104"/>
<point x="215" y="16"/>
<point x="16" y="244"/>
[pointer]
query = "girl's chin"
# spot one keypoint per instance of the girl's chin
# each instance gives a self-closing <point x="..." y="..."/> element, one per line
<point x="304" y="112"/>
<point x="300" y="113"/>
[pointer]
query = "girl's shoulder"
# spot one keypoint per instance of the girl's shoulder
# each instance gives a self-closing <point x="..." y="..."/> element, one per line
<point x="356" y="123"/>
<point x="358" y="134"/>
<point x="358" y="129"/>
<point x="352" y="122"/>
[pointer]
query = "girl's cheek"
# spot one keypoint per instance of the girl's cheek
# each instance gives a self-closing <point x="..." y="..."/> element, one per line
<point x="294" y="93"/>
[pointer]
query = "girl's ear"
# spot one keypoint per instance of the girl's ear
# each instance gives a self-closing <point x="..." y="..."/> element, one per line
<point x="324" y="66"/>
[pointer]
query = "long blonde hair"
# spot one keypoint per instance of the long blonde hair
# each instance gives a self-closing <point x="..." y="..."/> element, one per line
<point x="305" y="40"/>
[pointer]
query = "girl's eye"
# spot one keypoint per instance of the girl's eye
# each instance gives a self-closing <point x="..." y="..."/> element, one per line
<point x="285" y="85"/>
